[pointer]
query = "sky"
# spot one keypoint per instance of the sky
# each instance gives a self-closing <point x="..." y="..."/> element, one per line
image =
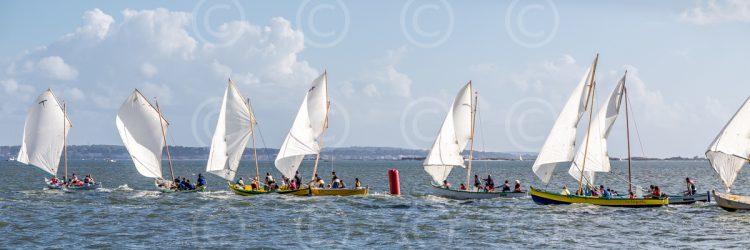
<point x="393" y="66"/>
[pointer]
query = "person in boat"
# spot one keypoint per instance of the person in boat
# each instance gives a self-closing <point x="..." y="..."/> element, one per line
<point x="462" y="187"/>
<point x="691" y="190"/>
<point x="489" y="184"/>
<point x="631" y="195"/>
<point x="605" y="192"/>
<point x="565" y="190"/>
<point x="240" y="182"/>
<point x="342" y="185"/>
<point x="477" y="183"/>
<point x="54" y="181"/>
<point x="269" y="180"/>
<point x="255" y="185"/>
<point x="298" y="178"/>
<point x="336" y="182"/>
<point x="446" y="185"/>
<point x="595" y="192"/>
<point x="357" y="184"/>
<point x="319" y="182"/>
<point x="333" y="177"/>
<point x="293" y="184"/>
<point x="656" y="193"/>
<point x="506" y="186"/>
<point x="189" y="186"/>
<point x="518" y="188"/>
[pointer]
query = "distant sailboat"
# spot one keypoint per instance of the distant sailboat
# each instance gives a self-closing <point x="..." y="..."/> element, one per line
<point x="143" y="131"/>
<point x="728" y="153"/>
<point x="592" y="156"/>
<point x="45" y="139"/>
<point x="455" y="133"/>
<point x="306" y="137"/>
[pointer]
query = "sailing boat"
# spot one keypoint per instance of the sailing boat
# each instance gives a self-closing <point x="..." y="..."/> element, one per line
<point x="592" y="157"/>
<point x="45" y="136"/>
<point x="306" y="137"/>
<point x="143" y="130"/>
<point x="729" y="152"/>
<point x="457" y="130"/>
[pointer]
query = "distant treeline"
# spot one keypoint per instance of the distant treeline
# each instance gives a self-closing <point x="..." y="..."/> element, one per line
<point x="116" y="152"/>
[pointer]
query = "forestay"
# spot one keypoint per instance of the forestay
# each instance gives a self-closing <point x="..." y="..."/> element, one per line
<point x="44" y="134"/>
<point x="597" y="157"/>
<point x="233" y="130"/>
<point x="560" y="143"/>
<point x="452" y="138"/>
<point x="731" y="148"/>
<point x="140" y="126"/>
<point x="304" y="136"/>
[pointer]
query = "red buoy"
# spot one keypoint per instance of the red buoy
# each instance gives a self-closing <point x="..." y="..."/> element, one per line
<point x="394" y="182"/>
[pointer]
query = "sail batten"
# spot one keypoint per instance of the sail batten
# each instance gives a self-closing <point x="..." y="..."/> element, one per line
<point x="233" y="129"/>
<point x="140" y="127"/>
<point x="455" y="133"/>
<point x="44" y="134"/>
<point x="560" y="143"/>
<point x="306" y="131"/>
<point x="730" y="151"/>
<point x="597" y="157"/>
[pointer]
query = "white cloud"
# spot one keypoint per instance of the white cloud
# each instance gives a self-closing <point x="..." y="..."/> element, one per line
<point x="383" y="79"/>
<point x="148" y="69"/>
<point x="717" y="11"/>
<point x="75" y="94"/>
<point x="96" y="24"/>
<point x="55" y="68"/>
<point x="371" y="90"/>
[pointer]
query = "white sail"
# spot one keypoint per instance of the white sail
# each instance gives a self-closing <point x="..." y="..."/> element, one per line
<point x="304" y="136"/>
<point x="140" y="127"/>
<point x="560" y="143"/>
<point x="731" y="148"/>
<point x="597" y="157"/>
<point x="233" y="130"/>
<point x="44" y="134"/>
<point x="452" y="138"/>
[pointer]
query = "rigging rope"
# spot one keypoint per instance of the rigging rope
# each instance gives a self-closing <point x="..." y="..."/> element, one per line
<point x="638" y="134"/>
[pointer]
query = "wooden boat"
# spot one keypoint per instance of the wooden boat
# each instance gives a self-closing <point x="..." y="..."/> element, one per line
<point x="305" y="137"/>
<point x="455" y="133"/>
<point x="235" y="126"/>
<point x="143" y="130"/>
<point x="469" y="195"/>
<point x="246" y="191"/>
<point x="592" y="156"/>
<point x="728" y="153"/>
<point x="45" y="139"/>
<point x="548" y="198"/>
<point x="690" y="199"/>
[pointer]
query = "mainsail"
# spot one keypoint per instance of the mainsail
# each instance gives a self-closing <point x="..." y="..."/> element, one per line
<point x="597" y="157"/>
<point x="304" y="136"/>
<point x="44" y="134"/>
<point x="140" y="127"/>
<point x="233" y="130"/>
<point x="452" y="138"/>
<point x="560" y="143"/>
<point x="731" y="148"/>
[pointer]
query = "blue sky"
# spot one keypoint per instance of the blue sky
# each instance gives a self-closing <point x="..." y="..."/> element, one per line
<point x="393" y="65"/>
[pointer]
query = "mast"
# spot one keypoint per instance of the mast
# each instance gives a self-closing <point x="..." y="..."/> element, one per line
<point x="627" y="128"/>
<point x="65" y="143"/>
<point x="591" y="96"/>
<point x="471" y="146"/>
<point x="164" y="137"/>
<point x="325" y="127"/>
<point x="252" y="134"/>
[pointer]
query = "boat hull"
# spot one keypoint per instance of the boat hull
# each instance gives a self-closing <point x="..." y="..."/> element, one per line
<point x="731" y="202"/>
<point x="248" y="192"/>
<point x="72" y="188"/>
<point x="548" y="198"/>
<point x="690" y="199"/>
<point x="330" y="192"/>
<point x="468" y="195"/>
<point x="161" y="185"/>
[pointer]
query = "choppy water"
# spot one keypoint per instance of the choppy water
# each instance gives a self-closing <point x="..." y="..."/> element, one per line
<point x="128" y="213"/>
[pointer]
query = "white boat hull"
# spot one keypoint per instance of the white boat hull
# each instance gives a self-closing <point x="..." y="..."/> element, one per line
<point x="731" y="202"/>
<point x="468" y="195"/>
<point x="690" y="199"/>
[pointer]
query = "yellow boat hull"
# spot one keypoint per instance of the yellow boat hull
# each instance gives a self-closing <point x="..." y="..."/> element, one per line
<point x="548" y="198"/>
<point x="330" y="192"/>
<point x="246" y="191"/>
